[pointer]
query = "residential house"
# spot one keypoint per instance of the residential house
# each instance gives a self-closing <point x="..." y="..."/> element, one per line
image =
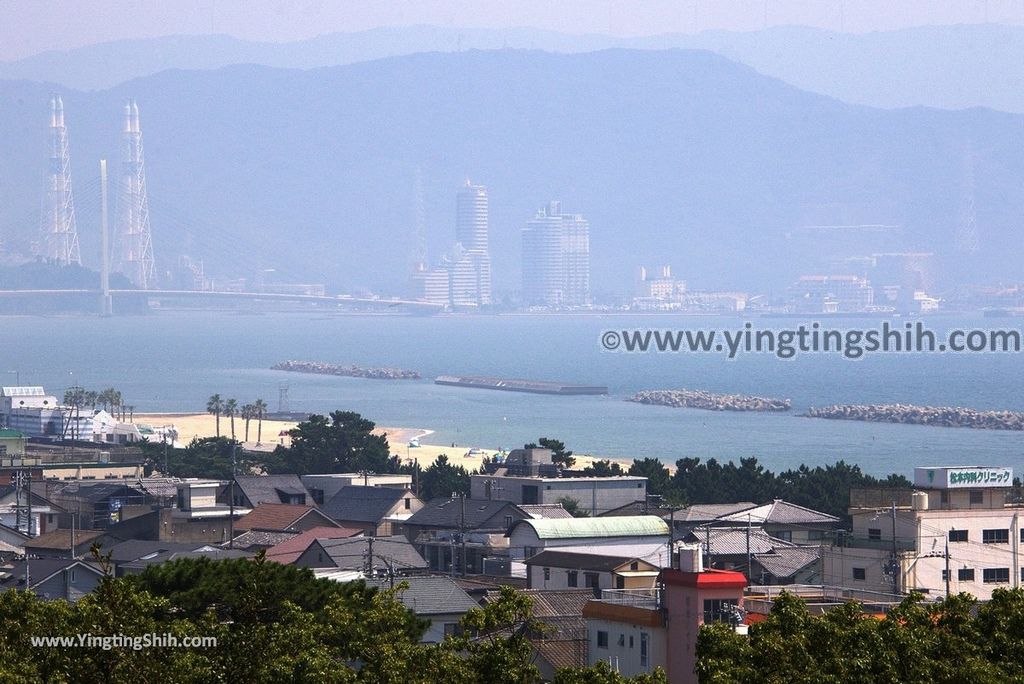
<point x="44" y="513"/>
<point x="786" y="521"/>
<point x="289" y="551"/>
<point x="52" y="578"/>
<point x="377" y="555"/>
<point x="258" y="540"/>
<point x="64" y="543"/>
<point x="12" y="447"/>
<point x="170" y="555"/>
<point x="283" y="518"/>
<point x="687" y="519"/>
<point x="556" y="569"/>
<point x="93" y="505"/>
<point x="252" y="490"/>
<point x="529" y="537"/>
<point x="324" y="486"/>
<point x="564" y="640"/>
<point x="730" y="548"/>
<point x="133" y="551"/>
<point x="787" y="565"/>
<point x="446" y="528"/>
<point x="12" y="542"/>
<point x="377" y="511"/>
<point x="435" y="598"/>
<point x="594" y="495"/>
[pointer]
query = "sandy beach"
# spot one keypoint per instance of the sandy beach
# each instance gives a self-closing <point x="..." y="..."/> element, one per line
<point x="193" y="425"/>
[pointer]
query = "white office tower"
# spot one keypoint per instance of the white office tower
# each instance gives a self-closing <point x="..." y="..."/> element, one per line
<point x="470" y="281"/>
<point x="556" y="259"/>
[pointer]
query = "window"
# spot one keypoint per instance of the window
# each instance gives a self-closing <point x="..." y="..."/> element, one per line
<point x="408" y="503"/>
<point x="1022" y="535"/>
<point x="452" y="629"/>
<point x="815" y="535"/>
<point x="72" y="575"/>
<point x="965" y="575"/>
<point x="995" y="536"/>
<point x="602" y="639"/>
<point x="784" y="535"/>
<point x="631" y="641"/>
<point x="508" y="521"/>
<point x="977" y="496"/>
<point x="874" y="533"/>
<point x="859" y="574"/>
<point x="529" y="551"/>
<point x="318" y="495"/>
<point x="635" y="565"/>
<point x="719" y="610"/>
<point x="995" y="575"/>
<point x="622" y="640"/>
<point x="944" y="496"/>
<point x="958" y="535"/>
<point x="590" y="580"/>
<point x="547" y="574"/>
<point x="573" y="578"/>
<point x="945" y="575"/>
<point x="644" y="638"/>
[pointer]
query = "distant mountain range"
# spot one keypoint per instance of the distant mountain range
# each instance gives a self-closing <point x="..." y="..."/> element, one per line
<point x="951" y="67"/>
<point x="680" y="157"/>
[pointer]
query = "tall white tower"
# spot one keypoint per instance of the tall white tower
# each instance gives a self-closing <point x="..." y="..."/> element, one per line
<point x="59" y="239"/>
<point x="133" y="247"/>
<point x="471" y="270"/>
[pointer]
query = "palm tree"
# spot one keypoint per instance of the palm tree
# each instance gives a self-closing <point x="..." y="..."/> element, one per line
<point x="215" y="405"/>
<point x="117" y="401"/>
<point x="230" y="410"/>
<point x="248" y="413"/>
<point x="260" y="408"/>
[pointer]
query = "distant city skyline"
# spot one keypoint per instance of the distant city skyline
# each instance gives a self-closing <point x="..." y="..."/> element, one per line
<point x="28" y="27"/>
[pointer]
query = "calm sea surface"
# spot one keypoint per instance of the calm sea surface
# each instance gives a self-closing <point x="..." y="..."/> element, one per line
<point x="173" y="361"/>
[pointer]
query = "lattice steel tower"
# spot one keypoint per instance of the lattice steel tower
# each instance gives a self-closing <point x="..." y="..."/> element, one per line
<point x="133" y="250"/>
<point x="59" y="239"/>
<point x="966" y="237"/>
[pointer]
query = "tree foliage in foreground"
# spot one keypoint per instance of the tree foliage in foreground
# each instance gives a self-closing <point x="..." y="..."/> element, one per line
<point x="272" y="623"/>
<point x="917" y="643"/>
<point x="343" y="442"/>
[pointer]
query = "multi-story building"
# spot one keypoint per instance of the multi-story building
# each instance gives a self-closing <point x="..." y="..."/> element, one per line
<point x="37" y="414"/>
<point x="432" y="285"/>
<point x="659" y="292"/>
<point x="958" y="531"/>
<point x="832" y="294"/>
<point x="595" y="495"/>
<point x="470" y="279"/>
<point x="556" y="259"/>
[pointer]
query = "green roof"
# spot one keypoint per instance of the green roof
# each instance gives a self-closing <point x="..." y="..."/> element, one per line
<point x="11" y="434"/>
<point x="612" y="526"/>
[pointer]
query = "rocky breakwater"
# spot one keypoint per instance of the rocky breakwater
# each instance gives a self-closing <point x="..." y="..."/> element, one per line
<point x="684" y="398"/>
<point x="318" y="368"/>
<point x="941" y="416"/>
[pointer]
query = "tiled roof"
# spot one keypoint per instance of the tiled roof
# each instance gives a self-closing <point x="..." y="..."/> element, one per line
<point x="351" y="554"/>
<point x="551" y="511"/>
<point x="276" y="517"/>
<point x="269" y="488"/>
<point x="559" y="603"/>
<point x="781" y="512"/>
<point x="446" y="512"/>
<point x="61" y="539"/>
<point x="94" y="491"/>
<point x="431" y="595"/>
<point x="41" y="569"/>
<point x="585" y="528"/>
<point x="581" y="561"/>
<point x="788" y="561"/>
<point x="731" y="541"/>
<point x="134" y="549"/>
<point x="701" y="513"/>
<point x="638" y="508"/>
<point x="559" y="653"/>
<point x="259" y="539"/>
<point x="207" y="551"/>
<point x="289" y="551"/>
<point x="364" y="504"/>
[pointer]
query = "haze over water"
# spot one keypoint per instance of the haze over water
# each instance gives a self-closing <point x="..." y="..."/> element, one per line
<point x="173" y="361"/>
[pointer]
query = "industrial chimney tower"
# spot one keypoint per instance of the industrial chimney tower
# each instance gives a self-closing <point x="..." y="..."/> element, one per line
<point x="133" y="251"/>
<point x="59" y="239"/>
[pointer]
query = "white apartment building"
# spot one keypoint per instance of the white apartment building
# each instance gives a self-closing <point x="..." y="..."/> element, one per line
<point x="957" y="519"/>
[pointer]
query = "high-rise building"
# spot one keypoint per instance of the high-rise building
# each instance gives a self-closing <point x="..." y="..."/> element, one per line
<point x="556" y="259"/>
<point x="470" y="269"/>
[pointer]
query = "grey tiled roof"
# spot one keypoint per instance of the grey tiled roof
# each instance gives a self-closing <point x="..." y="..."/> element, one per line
<point x="134" y="549"/>
<point x="363" y="504"/>
<point x="581" y="561"/>
<point x="431" y="595"/>
<point x="269" y="488"/>
<point x="350" y="553"/>
<point x="732" y="541"/>
<point x="702" y="513"/>
<point x="781" y="512"/>
<point x="445" y="512"/>
<point x="788" y="561"/>
<point x="260" y="539"/>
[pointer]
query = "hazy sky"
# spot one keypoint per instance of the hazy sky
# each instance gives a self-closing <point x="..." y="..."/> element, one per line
<point x="31" y="26"/>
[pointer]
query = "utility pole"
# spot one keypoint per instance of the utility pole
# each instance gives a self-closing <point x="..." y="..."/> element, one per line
<point x="369" y="557"/>
<point x="947" y="566"/>
<point x="672" y="538"/>
<point x="895" y="558"/>
<point x="462" y="531"/>
<point x="231" y="515"/>
<point x="749" y="568"/>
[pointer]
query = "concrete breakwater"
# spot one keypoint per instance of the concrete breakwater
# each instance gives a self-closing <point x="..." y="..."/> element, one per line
<point x="319" y="368"/>
<point x="684" y="398"/>
<point x="941" y="416"/>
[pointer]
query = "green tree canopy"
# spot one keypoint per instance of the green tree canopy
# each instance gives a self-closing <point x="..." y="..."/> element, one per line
<point x="560" y="456"/>
<point x="442" y="478"/>
<point x="341" y="443"/>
